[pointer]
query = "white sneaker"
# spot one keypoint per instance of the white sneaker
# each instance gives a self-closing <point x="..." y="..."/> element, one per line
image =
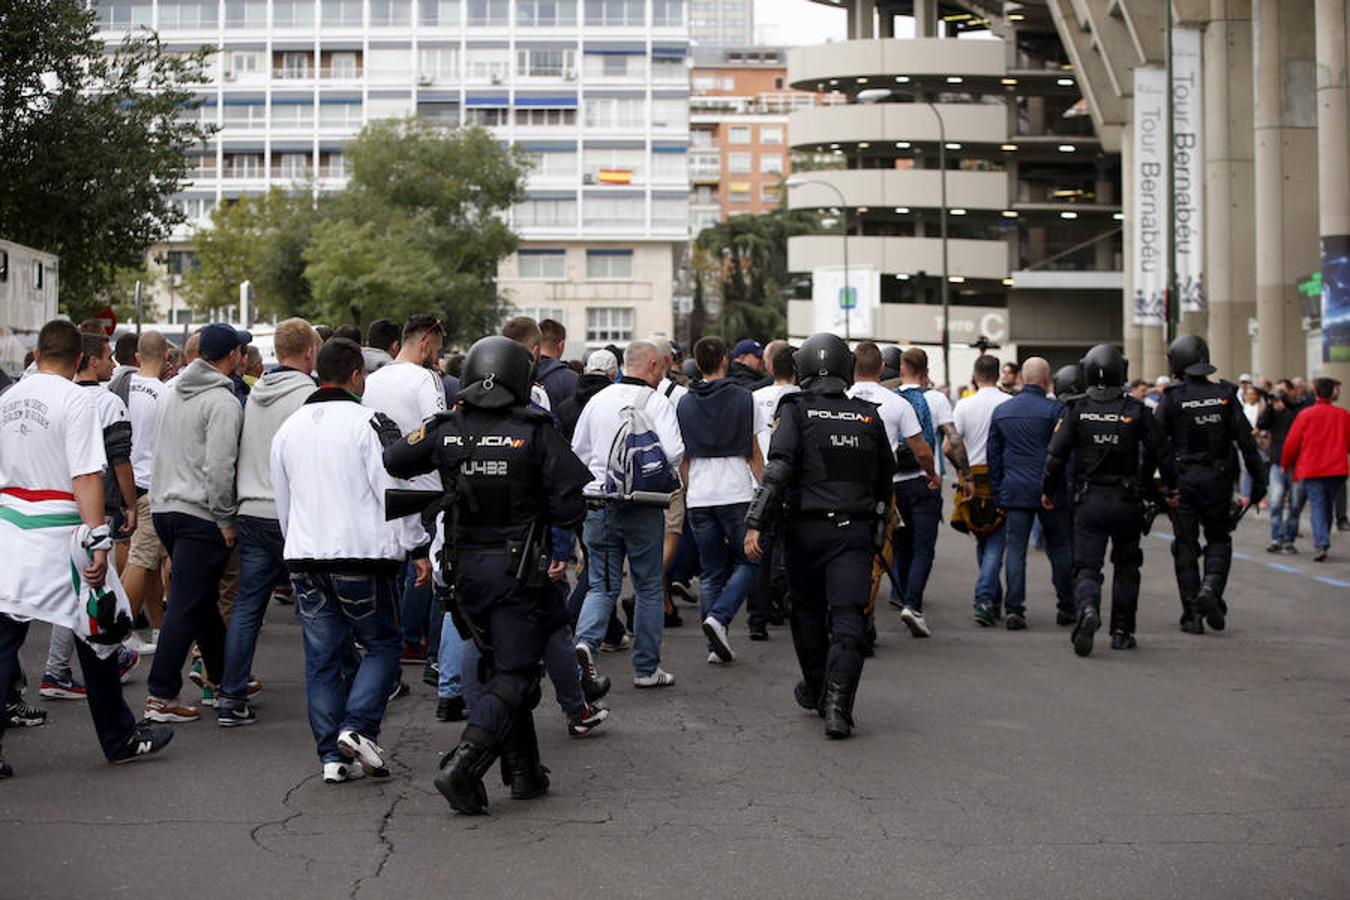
<point x="716" y="633"/>
<point x="914" y="622"/>
<point x="714" y="659"/>
<point x="138" y="641"/>
<point x="624" y="643"/>
<point x="338" y="772"/>
<point x="659" y="678"/>
<point x="363" y="750"/>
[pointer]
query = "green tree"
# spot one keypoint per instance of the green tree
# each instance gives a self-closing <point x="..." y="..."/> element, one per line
<point x="92" y="145"/>
<point x="753" y="281"/>
<point x="419" y="228"/>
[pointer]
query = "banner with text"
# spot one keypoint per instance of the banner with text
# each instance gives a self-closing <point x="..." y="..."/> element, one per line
<point x="1148" y="222"/>
<point x="1188" y="189"/>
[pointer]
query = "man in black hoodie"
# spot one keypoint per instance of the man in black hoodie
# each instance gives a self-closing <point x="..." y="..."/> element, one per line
<point x="558" y="380"/>
<point x="747" y="365"/>
<point x="602" y="370"/>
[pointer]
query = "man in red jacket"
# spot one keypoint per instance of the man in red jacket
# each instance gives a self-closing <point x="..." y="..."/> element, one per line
<point x="1319" y="443"/>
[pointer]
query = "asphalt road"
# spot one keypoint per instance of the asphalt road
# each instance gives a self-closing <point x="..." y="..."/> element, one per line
<point x="986" y="764"/>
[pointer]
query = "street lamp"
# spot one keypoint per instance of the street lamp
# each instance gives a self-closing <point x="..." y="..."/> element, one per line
<point x="796" y="181"/>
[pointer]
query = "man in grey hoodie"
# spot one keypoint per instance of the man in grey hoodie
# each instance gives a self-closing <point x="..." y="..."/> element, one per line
<point x="262" y="564"/>
<point x="384" y="338"/>
<point x="192" y="495"/>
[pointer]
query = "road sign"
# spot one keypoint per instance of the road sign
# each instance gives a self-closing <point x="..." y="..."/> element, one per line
<point x="109" y="320"/>
<point x="848" y="298"/>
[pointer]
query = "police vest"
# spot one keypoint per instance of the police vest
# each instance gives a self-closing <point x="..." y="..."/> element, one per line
<point x="1109" y="436"/>
<point x="838" y="453"/>
<point x="1198" y="417"/>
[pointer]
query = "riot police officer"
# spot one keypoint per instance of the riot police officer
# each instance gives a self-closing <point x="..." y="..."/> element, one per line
<point x="829" y="475"/>
<point x="1117" y="446"/>
<point x="509" y="477"/>
<point x="1204" y="422"/>
<point x="1068" y="383"/>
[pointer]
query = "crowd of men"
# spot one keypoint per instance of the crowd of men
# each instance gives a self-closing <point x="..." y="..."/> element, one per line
<point x="476" y="516"/>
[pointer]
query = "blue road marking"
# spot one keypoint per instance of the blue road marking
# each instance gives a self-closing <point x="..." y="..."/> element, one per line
<point x="1237" y="554"/>
<point x="1281" y="567"/>
<point x="1334" y="582"/>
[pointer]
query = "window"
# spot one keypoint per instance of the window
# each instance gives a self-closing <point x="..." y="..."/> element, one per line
<point x="181" y="261"/>
<point x="202" y="166"/>
<point x="609" y="264"/>
<point x="770" y="194"/>
<point x="740" y="193"/>
<point x="443" y="112"/>
<point x="620" y="159"/>
<point x="243" y="165"/>
<point x="243" y="63"/>
<point x="545" y="13"/>
<point x="615" y="65"/>
<point x="739" y="163"/>
<point x="542" y="264"/>
<point x="123" y="13"/>
<point x="438" y="12"/>
<point x="551" y="213"/>
<point x="614" y="112"/>
<point x="670" y="166"/>
<point x="293" y="165"/>
<point x="705" y="83"/>
<point x="292" y="13"/>
<point x="771" y="134"/>
<point x="246" y="13"/>
<point x="670" y="212"/>
<point x="701" y="138"/>
<point x="771" y="164"/>
<point x="340" y="115"/>
<point x="385" y="106"/>
<point x="187" y="13"/>
<point x="551" y="165"/>
<point x="245" y="115"/>
<point x="333" y="165"/>
<point x="670" y="112"/>
<point x="488" y="64"/>
<point x="194" y="209"/>
<point x="668" y="12"/>
<point x="614" y="212"/>
<point x="344" y="64"/>
<point x="292" y="115"/>
<point x="438" y="62"/>
<point x="296" y="64"/>
<point x="542" y="117"/>
<point x="668" y="67"/>
<point x="606" y="324"/>
<point x="390" y="13"/>
<point x="342" y="12"/>
<point x="540" y="313"/>
<point x="487" y="116"/>
<point x="546" y="63"/>
<point x="488" y="12"/>
<point x="38" y="272"/>
<point x="739" y="134"/>
<point x="615" y="12"/>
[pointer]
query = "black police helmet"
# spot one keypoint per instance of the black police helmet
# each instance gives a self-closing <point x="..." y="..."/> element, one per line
<point x="1104" y="366"/>
<point x="1189" y="355"/>
<point x="496" y="374"/>
<point x="823" y="355"/>
<point x="890" y="358"/>
<point x="1069" y="382"/>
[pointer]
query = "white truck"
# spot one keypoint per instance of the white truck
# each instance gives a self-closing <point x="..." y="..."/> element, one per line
<point x="28" y="284"/>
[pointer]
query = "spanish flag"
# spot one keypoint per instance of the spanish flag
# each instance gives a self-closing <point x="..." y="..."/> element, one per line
<point x="616" y="176"/>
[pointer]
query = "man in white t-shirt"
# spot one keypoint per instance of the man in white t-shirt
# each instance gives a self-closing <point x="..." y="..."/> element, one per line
<point x="767" y="604"/>
<point x="51" y="513"/>
<point x="617" y="532"/>
<point x="972" y="417"/>
<point x="721" y="464"/>
<point x="145" y="557"/>
<point x="778" y="356"/>
<point x="409" y="390"/>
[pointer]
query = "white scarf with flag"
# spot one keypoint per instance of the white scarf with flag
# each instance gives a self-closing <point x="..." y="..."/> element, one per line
<point x="42" y="541"/>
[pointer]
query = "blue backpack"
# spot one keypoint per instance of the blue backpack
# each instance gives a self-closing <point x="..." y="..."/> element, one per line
<point x="636" y="460"/>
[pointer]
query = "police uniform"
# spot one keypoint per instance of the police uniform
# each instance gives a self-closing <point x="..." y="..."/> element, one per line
<point x="829" y="475"/>
<point x="510" y="476"/>
<point x="1204" y="421"/>
<point x="1116" y="444"/>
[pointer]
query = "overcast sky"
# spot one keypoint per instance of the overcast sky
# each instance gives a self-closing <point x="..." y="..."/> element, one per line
<point x="794" y="22"/>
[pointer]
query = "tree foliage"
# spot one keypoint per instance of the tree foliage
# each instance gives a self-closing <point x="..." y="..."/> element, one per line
<point x="753" y="278"/>
<point x="92" y="145"/>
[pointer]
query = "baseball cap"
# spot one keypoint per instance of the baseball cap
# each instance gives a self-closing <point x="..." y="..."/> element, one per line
<point x="754" y="348"/>
<point x="601" y="362"/>
<point x="1244" y="378"/>
<point x="218" y="339"/>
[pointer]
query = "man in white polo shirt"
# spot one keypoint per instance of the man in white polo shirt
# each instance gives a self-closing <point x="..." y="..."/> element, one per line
<point x="972" y="417"/>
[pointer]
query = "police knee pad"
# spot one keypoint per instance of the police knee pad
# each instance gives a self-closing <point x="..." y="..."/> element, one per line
<point x="849" y="643"/>
<point x="1128" y="559"/>
<point x="505" y="691"/>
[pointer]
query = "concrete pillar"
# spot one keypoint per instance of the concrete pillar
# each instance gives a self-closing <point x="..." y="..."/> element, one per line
<point x="925" y="18"/>
<point x="1230" y="215"/>
<point x="1285" y="174"/>
<point x="1333" y="138"/>
<point x="1133" y="338"/>
<point x="862" y="16"/>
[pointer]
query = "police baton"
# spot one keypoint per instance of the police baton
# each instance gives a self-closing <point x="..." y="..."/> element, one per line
<point x="649" y="499"/>
<point x="1239" y="510"/>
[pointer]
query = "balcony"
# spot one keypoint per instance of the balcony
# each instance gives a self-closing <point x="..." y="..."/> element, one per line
<point x="821" y="126"/>
<point x="900" y="255"/>
<point x="922" y="188"/>
<point x="876" y="63"/>
<point x="293" y="73"/>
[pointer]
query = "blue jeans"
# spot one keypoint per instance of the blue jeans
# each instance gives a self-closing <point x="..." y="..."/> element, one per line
<point x="1057" y="529"/>
<point x="989" y="553"/>
<point x="1295" y="497"/>
<point x="1322" y="498"/>
<point x="560" y="662"/>
<point x="727" y="575"/>
<point x="415" y="608"/>
<point x="336" y="609"/>
<point x="262" y="566"/>
<point x="1281" y="485"/>
<point x="914" y="542"/>
<point x="611" y="535"/>
<point x="448" y="657"/>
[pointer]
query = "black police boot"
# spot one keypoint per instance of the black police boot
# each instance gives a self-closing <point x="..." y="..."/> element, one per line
<point x="838" y="704"/>
<point x="758" y="630"/>
<point x="809" y="698"/>
<point x="521" y="769"/>
<point x="1089" y="620"/>
<point x="1209" y="604"/>
<point x="450" y="709"/>
<point x="1191" y="623"/>
<point x="460" y="777"/>
<point x="1122" y="640"/>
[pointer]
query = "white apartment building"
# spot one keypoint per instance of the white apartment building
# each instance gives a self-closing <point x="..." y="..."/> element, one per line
<point x="724" y="23"/>
<point x="595" y="91"/>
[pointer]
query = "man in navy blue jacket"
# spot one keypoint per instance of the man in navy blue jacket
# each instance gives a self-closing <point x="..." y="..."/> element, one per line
<point x="1019" y="435"/>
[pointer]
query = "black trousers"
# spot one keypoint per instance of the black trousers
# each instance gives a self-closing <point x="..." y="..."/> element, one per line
<point x="1105" y="514"/>
<point x="198" y="556"/>
<point x="771" y="579"/>
<point x="1206" y="504"/>
<point x="511" y="625"/>
<point x="112" y="717"/>
<point x="830" y="569"/>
